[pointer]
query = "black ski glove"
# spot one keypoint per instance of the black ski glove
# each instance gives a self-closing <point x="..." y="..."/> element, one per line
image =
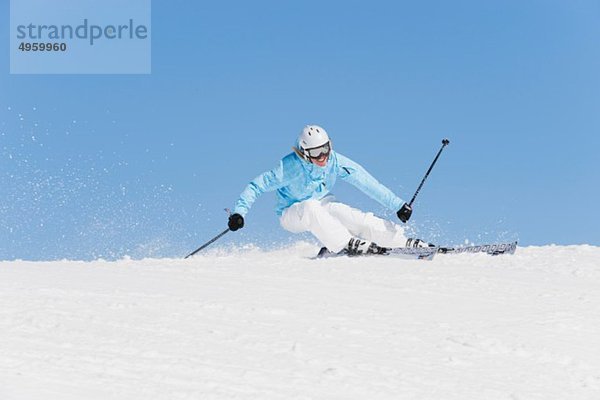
<point x="404" y="213"/>
<point x="236" y="221"/>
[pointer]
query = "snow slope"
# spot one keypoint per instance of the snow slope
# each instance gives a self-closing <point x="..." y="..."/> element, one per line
<point x="247" y="324"/>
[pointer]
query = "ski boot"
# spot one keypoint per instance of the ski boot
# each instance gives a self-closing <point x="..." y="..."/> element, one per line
<point x="411" y="242"/>
<point x="357" y="247"/>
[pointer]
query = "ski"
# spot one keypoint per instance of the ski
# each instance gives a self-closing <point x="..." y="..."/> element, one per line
<point x="494" y="249"/>
<point x="419" y="253"/>
<point x="408" y="253"/>
<point x="427" y="253"/>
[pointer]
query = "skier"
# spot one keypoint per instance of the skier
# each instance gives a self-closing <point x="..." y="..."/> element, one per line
<point x="303" y="180"/>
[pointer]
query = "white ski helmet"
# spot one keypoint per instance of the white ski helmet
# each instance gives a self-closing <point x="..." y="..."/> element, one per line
<point x="312" y="136"/>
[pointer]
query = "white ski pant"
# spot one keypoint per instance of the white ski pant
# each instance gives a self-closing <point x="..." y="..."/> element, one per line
<point x="334" y="224"/>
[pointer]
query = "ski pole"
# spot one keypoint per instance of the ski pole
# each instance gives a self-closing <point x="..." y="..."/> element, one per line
<point x="208" y="243"/>
<point x="445" y="142"/>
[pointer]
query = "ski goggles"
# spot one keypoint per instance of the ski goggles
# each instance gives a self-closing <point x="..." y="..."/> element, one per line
<point x="317" y="152"/>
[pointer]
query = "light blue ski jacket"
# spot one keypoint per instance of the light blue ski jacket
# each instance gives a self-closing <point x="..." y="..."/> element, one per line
<point x="296" y="180"/>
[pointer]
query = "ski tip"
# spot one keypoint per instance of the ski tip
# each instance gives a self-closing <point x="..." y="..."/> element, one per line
<point x="495" y="249"/>
<point x="324" y="252"/>
<point x="505" y="248"/>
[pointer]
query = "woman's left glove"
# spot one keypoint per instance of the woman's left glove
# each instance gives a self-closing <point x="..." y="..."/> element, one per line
<point x="236" y="221"/>
<point x="404" y="213"/>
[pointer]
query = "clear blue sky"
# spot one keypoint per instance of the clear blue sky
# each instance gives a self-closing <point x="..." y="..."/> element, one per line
<point x="109" y="165"/>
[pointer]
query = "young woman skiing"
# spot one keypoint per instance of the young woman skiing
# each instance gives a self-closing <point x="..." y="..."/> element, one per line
<point x="303" y="180"/>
